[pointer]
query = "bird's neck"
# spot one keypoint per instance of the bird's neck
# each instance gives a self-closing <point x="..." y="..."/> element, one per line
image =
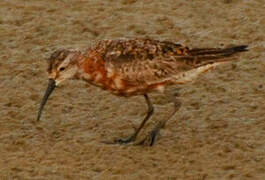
<point x="91" y="67"/>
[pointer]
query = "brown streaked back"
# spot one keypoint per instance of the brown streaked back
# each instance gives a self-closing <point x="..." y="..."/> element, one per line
<point x="147" y="61"/>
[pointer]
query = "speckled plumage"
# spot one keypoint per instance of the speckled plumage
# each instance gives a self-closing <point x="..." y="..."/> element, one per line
<point x="136" y="66"/>
<point x="129" y="67"/>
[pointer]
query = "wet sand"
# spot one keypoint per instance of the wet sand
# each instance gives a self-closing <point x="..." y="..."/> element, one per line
<point x="219" y="132"/>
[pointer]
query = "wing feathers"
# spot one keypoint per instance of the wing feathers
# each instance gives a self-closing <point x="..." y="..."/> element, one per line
<point x="149" y="61"/>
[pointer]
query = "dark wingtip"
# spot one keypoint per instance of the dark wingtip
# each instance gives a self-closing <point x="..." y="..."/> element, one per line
<point x="241" y="48"/>
<point x="235" y="49"/>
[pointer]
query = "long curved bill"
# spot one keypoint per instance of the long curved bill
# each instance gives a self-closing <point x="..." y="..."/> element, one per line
<point x="50" y="88"/>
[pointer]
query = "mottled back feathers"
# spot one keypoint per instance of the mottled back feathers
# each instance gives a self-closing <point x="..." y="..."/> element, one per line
<point x="137" y="64"/>
<point x="151" y="61"/>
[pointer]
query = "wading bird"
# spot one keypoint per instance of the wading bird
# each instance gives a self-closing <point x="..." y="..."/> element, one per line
<point x="128" y="67"/>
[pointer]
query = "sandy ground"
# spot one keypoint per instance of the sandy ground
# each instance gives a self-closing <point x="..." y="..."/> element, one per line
<point x="219" y="132"/>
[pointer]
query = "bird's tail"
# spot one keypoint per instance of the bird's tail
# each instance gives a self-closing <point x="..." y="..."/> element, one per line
<point x="202" y="60"/>
<point x="203" y="56"/>
<point x="218" y="51"/>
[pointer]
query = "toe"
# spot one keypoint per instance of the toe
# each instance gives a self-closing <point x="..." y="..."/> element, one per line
<point x="150" y="139"/>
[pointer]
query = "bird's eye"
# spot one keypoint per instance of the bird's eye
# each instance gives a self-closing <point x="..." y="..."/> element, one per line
<point x="62" y="68"/>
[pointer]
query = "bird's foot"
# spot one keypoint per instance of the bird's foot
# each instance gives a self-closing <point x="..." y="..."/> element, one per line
<point x="150" y="139"/>
<point x="121" y="140"/>
<point x="124" y="140"/>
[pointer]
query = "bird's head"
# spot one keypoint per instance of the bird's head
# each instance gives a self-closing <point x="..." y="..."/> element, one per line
<point x="62" y="65"/>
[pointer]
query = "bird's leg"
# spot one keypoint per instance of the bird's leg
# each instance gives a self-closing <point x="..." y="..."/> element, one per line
<point x="137" y="130"/>
<point x="151" y="137"/>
